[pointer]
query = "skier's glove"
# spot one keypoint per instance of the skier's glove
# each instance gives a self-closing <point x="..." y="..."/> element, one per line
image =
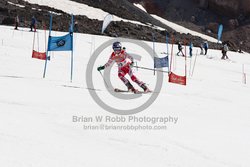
<point x="132" y="64"/>
<point x="100" y="68"/>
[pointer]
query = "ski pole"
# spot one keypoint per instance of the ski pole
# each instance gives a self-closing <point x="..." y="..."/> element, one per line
<point x="151" y="69"/>
<point x="104" y="80"/>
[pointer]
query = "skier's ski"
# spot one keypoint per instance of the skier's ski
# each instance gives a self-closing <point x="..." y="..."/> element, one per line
<point x="120" y="90"/>
<point x="126" y="91"/>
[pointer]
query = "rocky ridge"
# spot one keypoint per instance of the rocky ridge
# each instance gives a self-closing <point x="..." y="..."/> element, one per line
<point x="121" y="8"/>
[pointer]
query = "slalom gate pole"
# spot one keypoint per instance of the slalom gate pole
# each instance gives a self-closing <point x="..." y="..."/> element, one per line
<point x="37" y="41"/>
<point x="104" y="79"/>
<point x="50" y="28"/>
<point x="194" y="62"/>
<point x="33" y="42"/>
<point x="71" y="69"/>
<point x="244" y="79"/>
<point x="91" y="46"/>
<point x="151" y="69"/>
<point x="72" y="53"/>
<point x="185" y="42"/>
<point x="190" y="65"/>
<point x="153" y="36"/>
<point x="44" y="27"/>
<point x="172" y="50"/>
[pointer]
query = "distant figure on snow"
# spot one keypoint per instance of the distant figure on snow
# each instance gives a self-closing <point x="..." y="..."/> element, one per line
<point x="191" y="49"/>
<point x="33" y="24"/>
<point x="224" y="52"/>
<point x="76" y="26"/>
<point x="240" y="47"/>
<point x="180" y="49"/>
<point x="205" y="46"/>
<point x="16" y="22"/>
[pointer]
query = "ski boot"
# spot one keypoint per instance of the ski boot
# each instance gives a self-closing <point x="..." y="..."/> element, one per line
<point x="145" y="88"/>
<point x="131" y="88"/>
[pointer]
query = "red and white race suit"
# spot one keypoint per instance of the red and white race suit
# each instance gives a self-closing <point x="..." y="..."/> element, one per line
<point x="124" y="68"/>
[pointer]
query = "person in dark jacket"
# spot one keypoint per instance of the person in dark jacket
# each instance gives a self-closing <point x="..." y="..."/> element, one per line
<point x="180" y="49"/>
<point x="33" y="24"/>
<point x="191" y="49"/>
<point x="76" y="26"/>
<point x="205" y="46"/>
<point x="16" y="22"/>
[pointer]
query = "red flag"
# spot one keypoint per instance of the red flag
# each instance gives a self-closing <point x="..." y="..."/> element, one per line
<point x="39" y="55"/>
<point x="182" y="80"/>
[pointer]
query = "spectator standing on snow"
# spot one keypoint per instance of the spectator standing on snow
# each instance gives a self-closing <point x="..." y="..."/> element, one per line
<point x="180" y="49"/>
<point x="224" y="52"/>
<point x="240" y="47"/>
<point x="205" y="46"/>
<point x="191" y="49"/>
<point x="16" y="22"/>
<point x="33" y="24"/>
<point x="76" y="26"/>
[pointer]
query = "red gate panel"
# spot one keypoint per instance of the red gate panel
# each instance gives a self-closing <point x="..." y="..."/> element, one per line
<point x="39" y="55"/>
<point x="173" y="78"/>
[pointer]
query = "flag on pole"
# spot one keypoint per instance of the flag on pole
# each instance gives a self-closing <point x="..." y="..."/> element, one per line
<point x="63" y="43"/>
<point x="108" y="18"/>
<point x="220" y="29"/>
<point x="160" y="62"/>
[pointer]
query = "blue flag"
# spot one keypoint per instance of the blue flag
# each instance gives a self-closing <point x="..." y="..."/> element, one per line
<point x="63" y="43"/>
<point x="160" y="62"/>
<point x="220" y="29"/>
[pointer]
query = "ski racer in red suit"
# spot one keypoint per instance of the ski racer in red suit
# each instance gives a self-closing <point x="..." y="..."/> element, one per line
<point x="124" y="67"/>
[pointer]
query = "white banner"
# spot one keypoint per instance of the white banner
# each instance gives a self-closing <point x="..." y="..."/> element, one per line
<point x="108" y="18"/>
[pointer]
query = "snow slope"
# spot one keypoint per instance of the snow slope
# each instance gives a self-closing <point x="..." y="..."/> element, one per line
<point x="76" y="8"/>
<point x="36" y="114"/>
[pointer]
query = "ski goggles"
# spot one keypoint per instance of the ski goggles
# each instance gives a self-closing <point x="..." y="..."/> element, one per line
<point x="117" y="49"/>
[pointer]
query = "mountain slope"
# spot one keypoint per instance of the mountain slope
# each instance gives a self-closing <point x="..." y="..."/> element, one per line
<point x="205" y="16"/>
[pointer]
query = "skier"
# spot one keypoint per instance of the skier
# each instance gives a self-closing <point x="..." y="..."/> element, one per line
<point x="16" y="22"/>
<point x="224" y="52"/>
<point x="205" y="46"/>
<point x="124" y="67"/>
<point x="76" y="26"/>
<point x="33" y="24"/>
<point x="180" y="49"/>
<point x="240" y="47"/>
<point x="191" y="49"/>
